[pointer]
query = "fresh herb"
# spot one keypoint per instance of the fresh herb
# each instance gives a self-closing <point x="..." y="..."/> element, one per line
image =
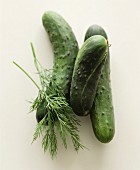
<point x="59" y="115"/>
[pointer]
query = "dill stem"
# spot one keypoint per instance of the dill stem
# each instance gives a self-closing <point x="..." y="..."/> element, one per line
<point x="35" y="58"/>
<point x="37" y="64"/>
<point x="26" y="74"/>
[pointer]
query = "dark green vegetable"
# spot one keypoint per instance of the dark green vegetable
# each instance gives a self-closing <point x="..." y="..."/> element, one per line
<point x="95" y="30"/>
<point x="102" y="112"/>
<point x="86" y="74"/>
<point x="65" y="49"/>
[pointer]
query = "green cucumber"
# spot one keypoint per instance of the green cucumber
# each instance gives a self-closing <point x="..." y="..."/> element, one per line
<point x="102" y="112"/>
<point x="95" y="30"/>
<point x="86" y="74"/>
<point x="65" y="49"/>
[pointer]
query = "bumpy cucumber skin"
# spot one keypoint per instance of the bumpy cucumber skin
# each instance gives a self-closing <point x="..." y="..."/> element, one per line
<point x="102" y="112"/>
<point x="86" y="73"/>
<point x="65" y="49"/>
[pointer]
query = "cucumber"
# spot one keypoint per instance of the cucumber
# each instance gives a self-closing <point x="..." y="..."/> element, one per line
<point x="65" y="49"/>
<point x="95" y="30"/>
<point x="102" y="112"/>
<point x="86" y="74"/>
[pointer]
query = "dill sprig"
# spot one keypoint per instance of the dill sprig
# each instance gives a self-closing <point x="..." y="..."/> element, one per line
<point x="59" y="116"/>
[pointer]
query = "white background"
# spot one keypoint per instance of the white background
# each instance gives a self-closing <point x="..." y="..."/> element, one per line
<point x="20" y="24"/>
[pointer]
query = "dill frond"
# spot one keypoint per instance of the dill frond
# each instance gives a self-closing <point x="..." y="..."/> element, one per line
<point x="59" y="116"/>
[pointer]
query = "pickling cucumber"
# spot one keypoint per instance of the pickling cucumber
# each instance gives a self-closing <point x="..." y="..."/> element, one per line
<point x="102" y="112"/>
<point x="86" y="74"/>
<point x="65" y="49"/>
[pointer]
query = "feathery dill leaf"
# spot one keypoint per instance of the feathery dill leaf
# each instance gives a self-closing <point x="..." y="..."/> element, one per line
<point x="59" y="116"/>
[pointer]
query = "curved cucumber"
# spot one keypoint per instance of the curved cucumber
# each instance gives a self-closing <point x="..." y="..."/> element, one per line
<point x="86" y="73"/>
<point x="65" y="49"/>
<point x="102" y="112"/>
